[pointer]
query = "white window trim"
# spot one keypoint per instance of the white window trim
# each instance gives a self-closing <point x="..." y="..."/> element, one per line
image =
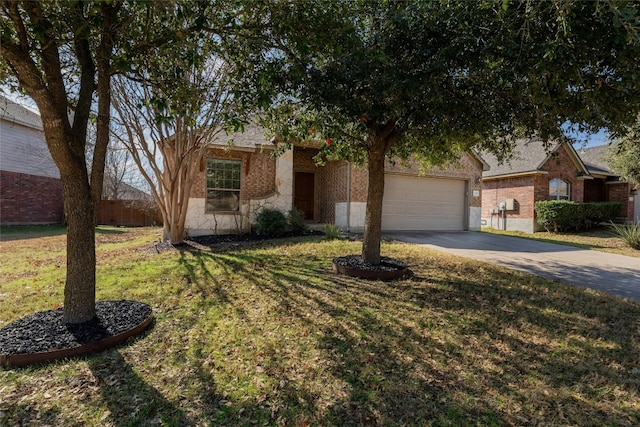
<point x="206" y="190"/>
<point x="557" y="195"/>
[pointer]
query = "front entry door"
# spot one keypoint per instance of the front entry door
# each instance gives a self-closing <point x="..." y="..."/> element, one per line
<point x="304" y="193"/>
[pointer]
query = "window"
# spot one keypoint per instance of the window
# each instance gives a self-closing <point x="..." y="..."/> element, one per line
<point x="223" y="185"/>
<point x="559" y="189"/>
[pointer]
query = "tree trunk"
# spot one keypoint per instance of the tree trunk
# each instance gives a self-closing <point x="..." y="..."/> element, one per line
<point x="80" y="286"/>
<point x="375" y="193"/>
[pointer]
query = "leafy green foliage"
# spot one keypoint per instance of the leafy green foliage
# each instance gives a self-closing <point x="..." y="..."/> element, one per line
<point x="271" y="223"/>
<point x="629" y="233"/>
<point x="434" y="79"/>
<point x="562" y="215"/>
<point x="624" y="156"/>
<point x="296" y="223"/>
<point x="331" y="231"/>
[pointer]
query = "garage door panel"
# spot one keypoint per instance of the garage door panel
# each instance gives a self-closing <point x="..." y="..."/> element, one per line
<point x="417" y="203"/>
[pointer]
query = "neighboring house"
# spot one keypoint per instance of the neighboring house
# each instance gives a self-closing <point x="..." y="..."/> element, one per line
<point x="510" y="189"/>
<point x="609" y="186"/>
<point x="30" y="186"/>
<point x="239" y="178"/>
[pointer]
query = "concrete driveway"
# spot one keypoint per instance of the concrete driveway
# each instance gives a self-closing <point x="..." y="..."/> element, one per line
<point x="611" y="273"/>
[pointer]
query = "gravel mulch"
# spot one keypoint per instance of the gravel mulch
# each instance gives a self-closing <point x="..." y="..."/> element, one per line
<point x="355" y="261"/>
<point x="46" y="331"/>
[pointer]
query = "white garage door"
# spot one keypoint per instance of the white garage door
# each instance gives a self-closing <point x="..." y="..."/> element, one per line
<point x="416" y="203"/>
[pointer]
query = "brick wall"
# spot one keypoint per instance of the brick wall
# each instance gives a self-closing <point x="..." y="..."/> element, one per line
<point x="30" y="199"/>
<point x="258" y="173"/>
<point x="519" y="188"/>
<point x="620" y="192"/>
<point x="333" y="189"/>
<point x="560" y="165"/>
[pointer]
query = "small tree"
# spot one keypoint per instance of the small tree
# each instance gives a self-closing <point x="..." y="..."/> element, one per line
<point x="119" y="171"/>
<point x="166" y="124"/>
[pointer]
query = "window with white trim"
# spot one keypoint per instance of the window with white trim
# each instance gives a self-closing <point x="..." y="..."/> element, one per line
<point x="223" y="185"/>
<point x="559" y="189"/>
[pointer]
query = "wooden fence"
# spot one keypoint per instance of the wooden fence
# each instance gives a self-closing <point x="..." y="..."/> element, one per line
<point x="128" y="213"/>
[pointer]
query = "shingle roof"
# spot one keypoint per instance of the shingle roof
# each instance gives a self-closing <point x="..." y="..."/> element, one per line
<point x="528" y="156"/>
<point x="16" y="113"/>
<point x="594" y="159"/>
<point x="253" y="136"/>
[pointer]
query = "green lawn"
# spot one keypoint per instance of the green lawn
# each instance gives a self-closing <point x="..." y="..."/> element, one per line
<point x="597" y="239"/>
<point x="266" y="334"/>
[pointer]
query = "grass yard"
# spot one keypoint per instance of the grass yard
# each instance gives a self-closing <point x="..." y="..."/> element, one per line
<point x="597" y="239"/>
<point x="265" y="334"/>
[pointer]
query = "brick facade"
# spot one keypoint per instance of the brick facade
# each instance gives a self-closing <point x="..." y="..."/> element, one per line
<point x="258" y="173"/>
<point x="561" y="165"/>
<point x="620" y="192"/>
<point x="519" y="188"/>
<point x="267" y="181"/>
<point x="529" y="188"/>
<point x="468" y="168"/>
<point x="334" y="177"/>
<point x="30" y="199"/>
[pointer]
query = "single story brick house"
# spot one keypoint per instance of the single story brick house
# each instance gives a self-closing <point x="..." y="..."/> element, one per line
<point x="30" y="185"/>
<point x="238" y="178"/>
<point x="510" y="189"/>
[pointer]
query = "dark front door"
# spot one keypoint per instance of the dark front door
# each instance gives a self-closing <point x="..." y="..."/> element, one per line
<point x="304" y="192"/>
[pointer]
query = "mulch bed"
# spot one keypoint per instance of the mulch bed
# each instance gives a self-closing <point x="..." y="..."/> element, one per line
<point x="353" y="265"/>
<point x="46" y="331"/>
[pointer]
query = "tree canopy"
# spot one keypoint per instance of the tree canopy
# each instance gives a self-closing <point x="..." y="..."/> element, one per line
<point x="624" y="155"/>
<point x="434" y="78"/>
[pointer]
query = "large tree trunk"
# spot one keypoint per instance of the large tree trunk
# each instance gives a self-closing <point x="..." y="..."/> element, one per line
<point x="382" y="138"/>
<point x="80" y="286"/>
<point x="373" y="216"/>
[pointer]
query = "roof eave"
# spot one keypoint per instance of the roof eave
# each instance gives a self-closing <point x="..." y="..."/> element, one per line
<point x="514" y="175"/>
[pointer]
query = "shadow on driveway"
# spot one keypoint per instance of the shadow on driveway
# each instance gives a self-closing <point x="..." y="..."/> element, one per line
<point x="611" y="273"/>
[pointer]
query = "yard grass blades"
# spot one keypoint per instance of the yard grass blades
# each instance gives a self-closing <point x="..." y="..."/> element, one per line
<point x="265" y="334"/>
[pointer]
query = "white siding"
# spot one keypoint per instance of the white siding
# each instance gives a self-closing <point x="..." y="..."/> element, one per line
<point x="23" y="150"/>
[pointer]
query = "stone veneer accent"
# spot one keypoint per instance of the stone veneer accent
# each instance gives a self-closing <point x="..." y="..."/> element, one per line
<point x="266" y="182"/>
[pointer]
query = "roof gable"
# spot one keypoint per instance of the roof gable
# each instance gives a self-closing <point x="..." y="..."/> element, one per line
<point x="594" y="159"/>
<point x="529" y="157"/>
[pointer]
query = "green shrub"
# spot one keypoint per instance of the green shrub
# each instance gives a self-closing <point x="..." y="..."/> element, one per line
<point x="271" y="223"/>
<point x="563" y="215"/>
<point x="629" y="233"/>
<point x="331" y="232"/>
<point x="297" y="224"/>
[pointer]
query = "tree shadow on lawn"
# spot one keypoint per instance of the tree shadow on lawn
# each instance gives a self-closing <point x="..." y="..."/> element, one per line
<point x="9" y="233"/>
<point x="487" y="352"/>
<point x="440" y="347"/>
<point x="132" y="401"/>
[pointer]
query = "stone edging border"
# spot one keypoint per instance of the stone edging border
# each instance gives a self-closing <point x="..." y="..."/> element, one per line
<point x="22" y="360"/>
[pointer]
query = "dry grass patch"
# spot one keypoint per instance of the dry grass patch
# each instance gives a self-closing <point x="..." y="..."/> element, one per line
<point x="265" y="334"/>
